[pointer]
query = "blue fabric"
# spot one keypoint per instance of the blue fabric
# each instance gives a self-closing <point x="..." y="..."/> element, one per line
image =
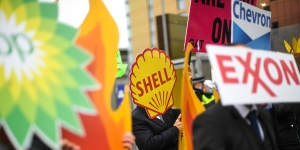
<point x="269" y="106"/>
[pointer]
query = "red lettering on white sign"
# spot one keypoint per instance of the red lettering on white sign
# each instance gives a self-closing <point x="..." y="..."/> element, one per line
<point x="259" y="76"/>
<point x="255" y="73"/>
<point x="224" y="70"/>
<point x="267" y="62"/>
<point x="292" y="73"/>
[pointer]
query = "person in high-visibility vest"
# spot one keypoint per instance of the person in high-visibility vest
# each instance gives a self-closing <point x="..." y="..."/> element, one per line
<point x="198" y="84"/>
<point x="208" y="98"/>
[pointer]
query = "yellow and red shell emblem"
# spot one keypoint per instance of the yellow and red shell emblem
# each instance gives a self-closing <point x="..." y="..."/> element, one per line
<point x="152" y="80"/>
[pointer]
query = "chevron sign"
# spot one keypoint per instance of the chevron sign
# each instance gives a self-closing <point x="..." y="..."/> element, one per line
<point x="250" y="25"/>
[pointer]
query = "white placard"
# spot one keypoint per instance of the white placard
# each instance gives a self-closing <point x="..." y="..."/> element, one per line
<point x="250" y="25"/>
<point x="247" y="76"/>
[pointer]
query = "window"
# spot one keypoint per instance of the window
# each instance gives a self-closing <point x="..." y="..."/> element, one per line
<point x="182" y="14"/>
<point x="267" y="8"/>
<point x="151" y="22"/>
<point x="153" y="43"/>
<point x="180" y="4"/>
<point x="275" y="24"/>
<point x="128" y="20"/>
<point x="150" y="12"/>
<point x="127" y="9"/>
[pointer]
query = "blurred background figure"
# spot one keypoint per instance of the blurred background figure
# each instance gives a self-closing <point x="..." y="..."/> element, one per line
<point x="287" y="121"/>
<point x="207" y="97"/>
<point x="198" y="86"/>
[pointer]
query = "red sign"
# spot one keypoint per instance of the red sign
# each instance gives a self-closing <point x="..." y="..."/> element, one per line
<point x="209" y="23"/>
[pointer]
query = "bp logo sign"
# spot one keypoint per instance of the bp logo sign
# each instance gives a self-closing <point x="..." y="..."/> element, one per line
<point x="19" y="43"/>
<point x="42" y="76"/>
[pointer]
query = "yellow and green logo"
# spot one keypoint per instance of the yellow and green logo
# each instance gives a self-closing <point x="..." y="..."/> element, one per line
<point x="43" y="81"/>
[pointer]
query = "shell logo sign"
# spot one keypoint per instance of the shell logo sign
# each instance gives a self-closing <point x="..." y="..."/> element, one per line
<point x="152" y="80"/>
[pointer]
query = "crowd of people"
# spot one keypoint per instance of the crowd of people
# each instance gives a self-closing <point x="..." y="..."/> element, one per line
<point x="253" y="127"/>
<point x="237" y="127"/>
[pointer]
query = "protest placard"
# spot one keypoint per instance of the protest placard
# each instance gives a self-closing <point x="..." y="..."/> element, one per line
<point x="209" y="22"/>
<point x="245" y="76"/>
<point x="250" y="25"/>
<point x="152" y="80"/>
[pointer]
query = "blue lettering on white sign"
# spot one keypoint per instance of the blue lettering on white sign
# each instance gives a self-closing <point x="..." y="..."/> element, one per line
<point x="250" y="15"/>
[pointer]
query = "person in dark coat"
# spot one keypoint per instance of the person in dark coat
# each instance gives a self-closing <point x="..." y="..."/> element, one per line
<point x="160" y="133"/>
<point x="287" y="123"/>
<point x="228" y="128"/>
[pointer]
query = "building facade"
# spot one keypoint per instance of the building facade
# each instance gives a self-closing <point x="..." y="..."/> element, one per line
<point x="145" y="29"/>
<point x="142" y="14"/>
<point x="284" y="12"/>
<point x="142" y="17"/>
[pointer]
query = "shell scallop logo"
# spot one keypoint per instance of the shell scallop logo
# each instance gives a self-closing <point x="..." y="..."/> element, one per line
<point x="152" y="80"/>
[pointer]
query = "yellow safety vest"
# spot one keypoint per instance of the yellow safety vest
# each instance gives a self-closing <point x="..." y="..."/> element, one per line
<point x="207" y="100"/>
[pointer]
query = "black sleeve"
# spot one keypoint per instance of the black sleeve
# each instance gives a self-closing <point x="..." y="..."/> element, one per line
<point x="147" y="140"/>
<point x="175" y="114"/>
<point x="38" y="144"/>
<point x="296" y="108"/>
<point x="206" y="135"/>
<point x="283" y="110"/>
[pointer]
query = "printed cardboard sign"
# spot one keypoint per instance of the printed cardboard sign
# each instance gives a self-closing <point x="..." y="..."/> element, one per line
<point x="209" y="23"/>
<point x="42" y="74"/>
<point x="250" y="25"/>
<point x="258" y="76"/>
<point x="152" y="80"/>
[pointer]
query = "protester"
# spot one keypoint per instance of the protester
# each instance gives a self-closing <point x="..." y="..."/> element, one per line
<point x="160" y="133"/>
<point x="238" y="127"/>
<point x="287" y="121"/>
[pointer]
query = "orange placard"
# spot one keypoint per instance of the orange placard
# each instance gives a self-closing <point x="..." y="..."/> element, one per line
<point x="152" y="80"/>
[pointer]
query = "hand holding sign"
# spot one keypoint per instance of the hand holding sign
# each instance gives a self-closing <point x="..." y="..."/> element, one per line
<point x="151" y="82"/>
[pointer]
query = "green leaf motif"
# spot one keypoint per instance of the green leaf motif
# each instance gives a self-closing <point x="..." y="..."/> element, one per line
<point x="47" y="94"/>
<point x="18" y="125"/>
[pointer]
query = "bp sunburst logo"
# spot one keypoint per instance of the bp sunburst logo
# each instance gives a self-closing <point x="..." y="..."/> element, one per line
<point x="42" y="73"/>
